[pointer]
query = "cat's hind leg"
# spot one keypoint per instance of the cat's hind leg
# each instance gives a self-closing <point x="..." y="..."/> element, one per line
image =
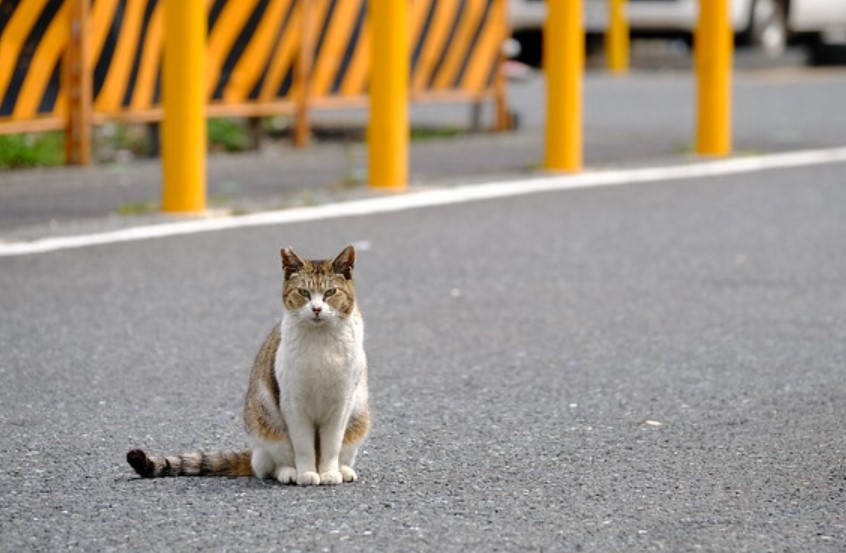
<point x="286" y="475"/>
<point x="262" y="463"/>
<point x="274" y="460"/>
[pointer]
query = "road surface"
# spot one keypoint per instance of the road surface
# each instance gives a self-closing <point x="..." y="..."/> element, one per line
<point x="658" y="366"/>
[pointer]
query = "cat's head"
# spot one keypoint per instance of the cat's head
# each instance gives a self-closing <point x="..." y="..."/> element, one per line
<point x="318" y="291"/>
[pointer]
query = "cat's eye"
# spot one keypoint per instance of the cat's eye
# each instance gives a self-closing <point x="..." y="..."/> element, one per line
<point x="330" y="292"/>
<point x="304" y="293"/>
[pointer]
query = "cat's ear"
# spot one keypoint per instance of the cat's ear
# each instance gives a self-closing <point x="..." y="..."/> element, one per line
<point x="291" y="262"/>
<point x="344" y="263"/>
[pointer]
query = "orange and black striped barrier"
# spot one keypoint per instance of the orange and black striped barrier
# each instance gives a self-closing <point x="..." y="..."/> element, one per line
<point x="456" y="47"/>
<point x="33" y="39"/>
<point x="76" y="63"/>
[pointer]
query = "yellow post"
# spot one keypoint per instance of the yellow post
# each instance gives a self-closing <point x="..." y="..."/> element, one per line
<point x="564" y="59"/>
<point x="388" y="130"/>
<point x="714" y="45"/>
<point x="184" y="102"/>
<point x="617" y="37"/>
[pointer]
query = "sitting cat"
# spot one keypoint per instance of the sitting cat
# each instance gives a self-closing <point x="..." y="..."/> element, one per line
<point x="306" y="411"/>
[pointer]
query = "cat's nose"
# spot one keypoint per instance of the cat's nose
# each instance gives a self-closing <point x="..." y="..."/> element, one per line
<point x="317" y="309"/>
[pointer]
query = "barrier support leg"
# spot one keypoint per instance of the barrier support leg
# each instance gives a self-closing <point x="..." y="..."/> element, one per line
<point x="302" y="76"/>
<point x="564" y="59"/>
<point x="183" y="99"/>
<point x="503" y="120"/>
<point x="714" y="46"/>
<point x="388" y="131"/>
<point x="78" y="79"/>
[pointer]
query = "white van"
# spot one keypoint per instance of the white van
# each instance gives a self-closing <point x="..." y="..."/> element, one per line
<point x="768" y="24"/>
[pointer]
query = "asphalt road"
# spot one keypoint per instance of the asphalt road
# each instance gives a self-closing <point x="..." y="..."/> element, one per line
<point x="642" y="368"/>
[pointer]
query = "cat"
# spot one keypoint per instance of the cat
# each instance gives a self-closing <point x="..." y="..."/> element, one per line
<point x="306" y="412"/>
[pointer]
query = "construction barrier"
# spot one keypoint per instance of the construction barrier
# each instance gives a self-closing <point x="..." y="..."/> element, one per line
<point x="455" y="48"/>
<point x="263" y="57"/>
<point x="33" y="39"/>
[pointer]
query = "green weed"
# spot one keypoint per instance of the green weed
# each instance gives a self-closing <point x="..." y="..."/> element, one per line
<point x="227" y="135"/>
<point x="434" y="133"/>
<point x="137" y="208"/>
<point x="31" y="150"/>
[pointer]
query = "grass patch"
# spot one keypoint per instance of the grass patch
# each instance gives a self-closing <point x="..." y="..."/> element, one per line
<point x="534" y="166"/>
<point x="434" y="133"/>
<point x="32" y="150"/>
<point x="683" y="148"/>
<point x="226" y="135"/>
<point x="133" y="139"/>
<point x="137" y="208"/>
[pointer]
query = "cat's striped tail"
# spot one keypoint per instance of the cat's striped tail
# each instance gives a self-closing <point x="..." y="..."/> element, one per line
<point x="231" y="463"/>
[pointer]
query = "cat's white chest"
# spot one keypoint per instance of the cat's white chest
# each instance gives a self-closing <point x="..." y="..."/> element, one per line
<point x="318" y="368"/>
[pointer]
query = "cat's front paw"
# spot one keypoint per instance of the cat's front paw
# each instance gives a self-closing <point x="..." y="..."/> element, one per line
<point x="286" y="475"/>
<point x="348" y="474"/>
<point x="308" y="479"/>
<point x="331" y="477"/>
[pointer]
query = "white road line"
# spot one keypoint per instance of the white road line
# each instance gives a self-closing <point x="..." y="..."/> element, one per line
<point x="431" y="198"/>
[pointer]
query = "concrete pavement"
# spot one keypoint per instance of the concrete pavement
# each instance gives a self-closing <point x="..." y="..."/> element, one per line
<point x="650" y="367"/>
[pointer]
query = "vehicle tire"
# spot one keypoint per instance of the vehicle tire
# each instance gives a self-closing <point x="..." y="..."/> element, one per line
<point x="822" y="53"/>
<point x="767" y="27"/>
<point x="531" y="46"/>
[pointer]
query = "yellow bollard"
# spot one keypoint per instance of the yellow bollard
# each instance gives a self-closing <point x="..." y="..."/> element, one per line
<point x="184" y="102"/>
<point x="714" y="46"/>
<point x="564" y="60"/>
<point x="388" y="131"/>
<point x="617" y="37"/>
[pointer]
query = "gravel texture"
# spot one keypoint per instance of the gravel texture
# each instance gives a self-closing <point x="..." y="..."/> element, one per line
<point x="643" y="368"/>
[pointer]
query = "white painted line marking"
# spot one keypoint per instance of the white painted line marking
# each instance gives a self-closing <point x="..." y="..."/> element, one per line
<point x="431" y="198"/>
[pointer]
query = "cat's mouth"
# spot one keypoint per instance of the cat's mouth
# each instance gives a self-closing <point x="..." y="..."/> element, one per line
<point x="317" y="319"/>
